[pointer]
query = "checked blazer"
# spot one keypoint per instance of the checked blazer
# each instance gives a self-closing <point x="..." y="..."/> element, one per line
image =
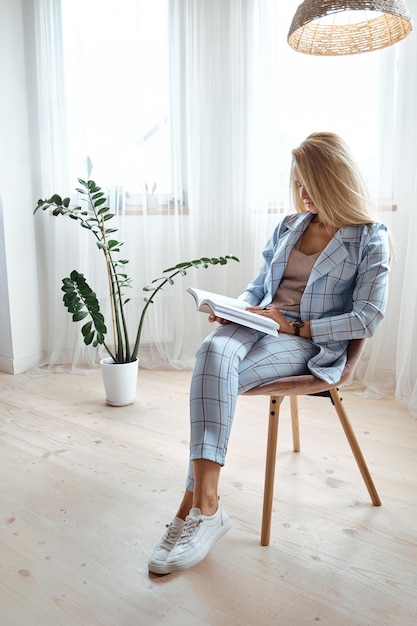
<point x="346" y="294"/>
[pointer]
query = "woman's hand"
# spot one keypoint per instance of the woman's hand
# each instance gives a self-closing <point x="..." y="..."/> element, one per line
<point x="284" y="325"/>
<point x="213" y="318"/>
<point x="274" y="314"/>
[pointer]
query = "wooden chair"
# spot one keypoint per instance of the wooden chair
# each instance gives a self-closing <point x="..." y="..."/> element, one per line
<point x="294" y="386"/>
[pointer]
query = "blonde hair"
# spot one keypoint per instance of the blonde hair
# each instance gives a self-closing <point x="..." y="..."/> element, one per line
<point x="332" y="180"/>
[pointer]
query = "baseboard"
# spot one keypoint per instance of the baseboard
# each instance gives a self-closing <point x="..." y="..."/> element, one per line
<point x="18" y="366"/>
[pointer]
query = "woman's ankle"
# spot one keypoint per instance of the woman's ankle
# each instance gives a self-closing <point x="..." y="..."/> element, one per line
<point x="207" y="505"/>
<point x="206" y="479"/>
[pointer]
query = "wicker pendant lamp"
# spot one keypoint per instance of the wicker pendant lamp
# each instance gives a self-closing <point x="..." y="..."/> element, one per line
<point x="337" y="27"/>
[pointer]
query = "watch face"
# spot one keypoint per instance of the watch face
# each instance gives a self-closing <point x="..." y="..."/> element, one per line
<point x="298" y="324"/>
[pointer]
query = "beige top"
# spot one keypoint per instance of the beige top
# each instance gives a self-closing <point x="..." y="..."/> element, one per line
<point x="294" y="280"/>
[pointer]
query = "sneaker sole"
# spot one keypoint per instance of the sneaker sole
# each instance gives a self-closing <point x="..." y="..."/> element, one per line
<point x="178" y="567"/>
<point x="157" y="569"/>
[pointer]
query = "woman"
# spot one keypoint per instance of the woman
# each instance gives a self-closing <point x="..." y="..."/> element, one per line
<point x="324" y="280"/>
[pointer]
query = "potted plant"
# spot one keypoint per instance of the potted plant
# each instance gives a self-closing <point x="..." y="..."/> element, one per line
<point x="81" y="301"/>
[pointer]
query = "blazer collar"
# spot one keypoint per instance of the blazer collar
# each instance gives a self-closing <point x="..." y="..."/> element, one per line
<point x="334" y="253"/>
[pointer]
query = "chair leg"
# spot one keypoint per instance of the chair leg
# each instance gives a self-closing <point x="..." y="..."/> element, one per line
<point x="271" y="455"/>
<point x="353" y="442"/>
<point x="294" y="423"/>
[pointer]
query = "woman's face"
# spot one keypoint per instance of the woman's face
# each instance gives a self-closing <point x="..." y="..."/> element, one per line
<point x="308" y="203"/>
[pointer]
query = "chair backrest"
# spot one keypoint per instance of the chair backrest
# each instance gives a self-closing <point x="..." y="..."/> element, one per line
<point x="307" y="383"/>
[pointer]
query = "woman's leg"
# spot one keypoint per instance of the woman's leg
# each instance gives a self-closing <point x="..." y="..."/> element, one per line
<point x="214" y="389"/>
<point x="268" y="361"/>
<point x="230" y="361"/>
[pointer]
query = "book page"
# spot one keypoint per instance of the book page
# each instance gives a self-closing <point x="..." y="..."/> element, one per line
<point x="217" y="298"/>
<point x="233" y="310"/>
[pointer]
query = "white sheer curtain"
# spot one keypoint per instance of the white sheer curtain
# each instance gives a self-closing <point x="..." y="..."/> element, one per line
<point x="79" y="104"/>
<point x="406" y="171"/>
<point x="240" y="99"/>
<point x="209" y="155"/>
<point x="391" y="365"/>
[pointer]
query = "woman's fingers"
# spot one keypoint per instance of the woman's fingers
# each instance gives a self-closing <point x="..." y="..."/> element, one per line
<point x="213" y="318"/>
<point x="267" y="311"/>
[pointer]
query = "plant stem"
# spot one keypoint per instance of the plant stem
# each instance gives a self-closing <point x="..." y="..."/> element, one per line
<point x="145" y="308"/>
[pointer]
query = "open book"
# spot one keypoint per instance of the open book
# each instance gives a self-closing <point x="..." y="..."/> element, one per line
<point x="232" y="310"/>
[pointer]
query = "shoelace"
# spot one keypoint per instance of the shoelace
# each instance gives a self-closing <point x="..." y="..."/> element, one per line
<point x="189" y="529"/>
<point x="170" y="537"/>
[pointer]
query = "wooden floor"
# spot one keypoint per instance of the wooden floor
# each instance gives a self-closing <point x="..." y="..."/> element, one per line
<point x="87" y="490"/>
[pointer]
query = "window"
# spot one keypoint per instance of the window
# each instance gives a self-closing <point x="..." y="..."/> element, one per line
<point x="117" y="95"/>
<point x="116" y="59"/>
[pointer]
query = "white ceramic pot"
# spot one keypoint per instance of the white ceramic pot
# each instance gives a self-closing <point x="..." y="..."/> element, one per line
<point x="120" y="381"/>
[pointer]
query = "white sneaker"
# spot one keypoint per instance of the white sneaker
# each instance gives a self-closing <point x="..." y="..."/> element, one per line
<point x="157" y="562"/>
<point x="199" y="534"/>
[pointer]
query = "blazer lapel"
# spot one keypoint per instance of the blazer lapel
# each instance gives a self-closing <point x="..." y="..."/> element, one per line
<point x="334" y="254"/>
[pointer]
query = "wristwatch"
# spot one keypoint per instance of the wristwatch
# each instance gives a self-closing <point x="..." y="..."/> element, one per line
<point x="297" y="325"/>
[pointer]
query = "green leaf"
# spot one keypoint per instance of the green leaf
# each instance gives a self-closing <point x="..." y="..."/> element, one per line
<point x="79" y="315"/>
<point x="86" y="329"/>
<point x="81" y="301"/>
<point x="88" y="338"/>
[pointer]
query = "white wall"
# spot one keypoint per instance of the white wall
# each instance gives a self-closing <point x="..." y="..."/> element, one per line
<point x="20" y="334"/>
